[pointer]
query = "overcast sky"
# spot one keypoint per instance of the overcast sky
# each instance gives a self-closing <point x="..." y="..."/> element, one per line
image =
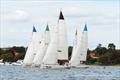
<point x="18" y="17"/>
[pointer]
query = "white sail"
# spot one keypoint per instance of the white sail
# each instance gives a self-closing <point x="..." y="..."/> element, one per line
<point x="32" y="49"/>
<point x="62" y="39"/>
<point x="50" y="57"/>
<point x="81" y="51"/>
<point x="40" y="54"/>
<point x="29" y="55"/>
<point x="47" y="35"/>
<point x="42" y="48"/>
<point x="84" y="45"/>
<point x="74" y="51"/>
<point x="35" y="41"/>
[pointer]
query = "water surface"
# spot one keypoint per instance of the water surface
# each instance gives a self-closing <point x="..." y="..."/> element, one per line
<point x="93" y="73"/>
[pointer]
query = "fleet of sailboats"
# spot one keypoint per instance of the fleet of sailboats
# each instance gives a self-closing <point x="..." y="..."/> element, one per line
<point x="53" y="49"/>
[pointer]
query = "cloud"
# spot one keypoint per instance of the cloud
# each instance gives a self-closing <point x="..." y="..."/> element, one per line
<point x="91" y="11"/>
<point x="102" y="18"/>
<point x="18" y="15"/>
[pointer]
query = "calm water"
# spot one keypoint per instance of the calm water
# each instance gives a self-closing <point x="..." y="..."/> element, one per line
<point x="92" y="73"/>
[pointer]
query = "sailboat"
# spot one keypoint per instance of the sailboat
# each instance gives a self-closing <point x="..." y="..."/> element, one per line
<point x="31" y="50"/>
<point x="62" y="40"/>
<point x="84" y="44"/>
<point x="51" y="56"/>
<point x="42" y="48"/>
<point x="81" y="51"/>
<point x="74" y="51"/>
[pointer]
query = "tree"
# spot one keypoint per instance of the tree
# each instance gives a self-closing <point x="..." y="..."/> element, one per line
<point x="100" y="51"/>
<point x="12" y="54"/>
<point x="7" y="57"/>
<point x="111" y="46"/>
<point x="18" y="49"/>
<point x="110" y="58"/>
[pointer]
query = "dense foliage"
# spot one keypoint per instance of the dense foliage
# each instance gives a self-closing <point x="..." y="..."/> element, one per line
<point x="103" y="55"/>
<point x="12" y="54"/>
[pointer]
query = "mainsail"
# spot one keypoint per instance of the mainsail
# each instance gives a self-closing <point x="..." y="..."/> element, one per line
<point x="32" y="49"/>
<point x="50" y="57"/>
<point x="42" y="48"/>
<point x="84" y="44"/>
<point x="62" y="39"/>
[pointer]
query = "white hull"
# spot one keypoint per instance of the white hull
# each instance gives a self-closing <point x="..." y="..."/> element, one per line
<point x="16" y="64"/>
<point x="80" y="66"/>
<point x="1" y="63"/>
<point x="62" y="66"/>
<point x="54" y="67"/>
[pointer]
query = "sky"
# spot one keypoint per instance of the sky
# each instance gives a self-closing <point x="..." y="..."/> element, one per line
<point x="101" y="16"/>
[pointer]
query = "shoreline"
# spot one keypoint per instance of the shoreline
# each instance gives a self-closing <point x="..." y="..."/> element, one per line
<point x="104" y="65"/>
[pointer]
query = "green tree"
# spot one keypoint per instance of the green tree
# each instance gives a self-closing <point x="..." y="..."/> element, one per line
<point x="110" y="58"/>
<point x="100" y="51"/>
<point x="12" y="54"/>
<point x="111" y="46"/>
